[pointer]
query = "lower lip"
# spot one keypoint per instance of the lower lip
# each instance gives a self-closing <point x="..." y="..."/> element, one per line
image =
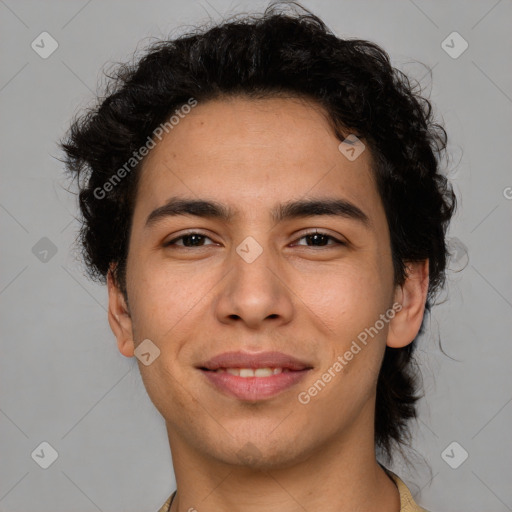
<point x="254" y="388"/>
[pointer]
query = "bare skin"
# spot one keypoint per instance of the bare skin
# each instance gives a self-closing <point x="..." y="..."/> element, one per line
<point x="304" y="297"/>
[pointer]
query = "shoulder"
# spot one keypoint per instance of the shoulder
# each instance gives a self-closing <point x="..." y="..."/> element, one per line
<point x="407" y="503"/>
<point x="167" y="505"/>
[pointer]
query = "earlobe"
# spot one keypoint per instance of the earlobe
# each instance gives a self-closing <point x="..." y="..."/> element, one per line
<point x="412" y="296"/>
<point x="119" y="317"/>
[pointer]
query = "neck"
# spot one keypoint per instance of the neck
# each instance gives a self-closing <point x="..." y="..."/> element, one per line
<point x="336" y="477"/>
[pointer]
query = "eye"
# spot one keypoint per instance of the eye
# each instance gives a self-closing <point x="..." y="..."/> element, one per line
<point x="319" y="239"/>
<point x="313" y="239"/>
<point x="188" y="240"/>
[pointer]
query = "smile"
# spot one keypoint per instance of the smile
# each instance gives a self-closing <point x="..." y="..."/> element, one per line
<point x="253" y="384"/>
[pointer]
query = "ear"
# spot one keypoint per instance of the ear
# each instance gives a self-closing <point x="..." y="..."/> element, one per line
<point x="412" y="296"/>
<point x="119" y="317"/>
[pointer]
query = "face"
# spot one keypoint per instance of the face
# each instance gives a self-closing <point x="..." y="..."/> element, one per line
<point x="201" y="284"/>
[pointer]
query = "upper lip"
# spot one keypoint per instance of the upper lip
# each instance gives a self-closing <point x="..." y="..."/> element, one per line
<point x="259" y="360"/>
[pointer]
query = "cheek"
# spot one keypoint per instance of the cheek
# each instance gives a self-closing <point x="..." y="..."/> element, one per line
<point x="162" y="301"/>
<point x="347" y="299"/>
<point x="154" y="303"/>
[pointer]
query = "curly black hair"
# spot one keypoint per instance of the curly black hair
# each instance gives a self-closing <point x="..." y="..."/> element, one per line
<point x="259" y="56"/>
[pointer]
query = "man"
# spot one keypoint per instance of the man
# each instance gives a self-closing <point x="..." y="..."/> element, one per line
<point x="265" y="203"/>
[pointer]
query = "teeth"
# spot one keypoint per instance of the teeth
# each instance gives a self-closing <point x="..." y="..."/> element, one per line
<point x="249" y="372"/>
<point x="263" y="372"/>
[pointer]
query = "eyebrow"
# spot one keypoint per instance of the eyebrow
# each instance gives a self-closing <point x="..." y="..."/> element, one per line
<point x="176" y="206"/>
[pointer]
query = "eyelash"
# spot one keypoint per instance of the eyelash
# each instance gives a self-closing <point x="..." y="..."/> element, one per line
<point x="321" y="233"/>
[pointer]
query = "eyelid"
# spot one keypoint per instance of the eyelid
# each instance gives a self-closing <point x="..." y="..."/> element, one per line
<point x="300" y="236"/>
<point x="189" y="232"/>
<point x="317" y="231"/>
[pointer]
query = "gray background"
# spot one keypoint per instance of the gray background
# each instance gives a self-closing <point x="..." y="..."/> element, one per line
<point x="63" y="380"/>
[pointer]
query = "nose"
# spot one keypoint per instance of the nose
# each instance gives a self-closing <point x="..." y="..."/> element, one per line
<point x="255" y="292"/>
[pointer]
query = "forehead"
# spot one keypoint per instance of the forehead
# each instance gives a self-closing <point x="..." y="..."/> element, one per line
<point x="253" y="152"/>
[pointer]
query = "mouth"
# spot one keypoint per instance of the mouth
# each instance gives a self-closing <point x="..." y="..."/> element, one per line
<point x="253" y="377"/>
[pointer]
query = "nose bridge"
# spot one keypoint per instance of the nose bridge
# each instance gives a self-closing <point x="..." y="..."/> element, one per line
<point x="252" y="277"/>
<point x="253" y="291"/>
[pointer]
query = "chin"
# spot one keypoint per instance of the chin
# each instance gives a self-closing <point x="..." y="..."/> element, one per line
<point x="262" y="455"/>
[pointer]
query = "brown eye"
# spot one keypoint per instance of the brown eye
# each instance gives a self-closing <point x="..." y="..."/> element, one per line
<point x="319" y="239"/>
<point x="189" y="240"/>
